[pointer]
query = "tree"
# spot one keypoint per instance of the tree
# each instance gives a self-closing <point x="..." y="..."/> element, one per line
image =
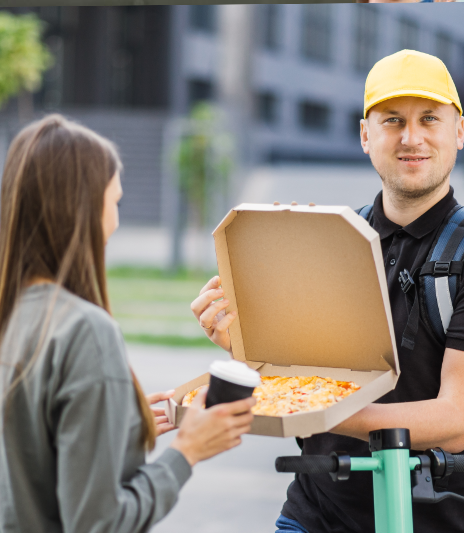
<point x="23" y="56"/>
<point x="203" y="162"/>
<point x="203" y="159"/>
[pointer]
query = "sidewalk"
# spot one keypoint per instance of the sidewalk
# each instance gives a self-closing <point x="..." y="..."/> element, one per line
<point x="238" y="491"/>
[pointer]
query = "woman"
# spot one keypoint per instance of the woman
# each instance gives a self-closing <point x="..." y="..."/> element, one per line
<point x="75" y="424"/>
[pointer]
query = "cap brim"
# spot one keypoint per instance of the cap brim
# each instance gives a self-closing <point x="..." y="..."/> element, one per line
<point x="415" y="92"/>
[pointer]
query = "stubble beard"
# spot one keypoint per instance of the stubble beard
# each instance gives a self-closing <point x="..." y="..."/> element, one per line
<point x="401" y="193"/>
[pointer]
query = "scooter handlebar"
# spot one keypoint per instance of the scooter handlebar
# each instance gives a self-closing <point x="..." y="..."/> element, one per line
<point x="327" y="464"/>
<point x="308" y="464"/>
<point x="458" y="463"/>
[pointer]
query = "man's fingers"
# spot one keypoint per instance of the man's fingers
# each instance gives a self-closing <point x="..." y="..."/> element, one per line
<point x="209" y="314"/>
<point x="160" y="396"/>
<point x="203" y="302"/>
<point x="213" y="283"/>
<point x="224" y="323"/>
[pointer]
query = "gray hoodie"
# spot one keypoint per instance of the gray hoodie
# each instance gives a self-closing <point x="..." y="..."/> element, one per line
<point x="70" y="457"/>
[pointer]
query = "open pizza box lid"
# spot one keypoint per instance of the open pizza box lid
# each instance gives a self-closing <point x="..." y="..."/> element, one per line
<point x="309" y="287"/>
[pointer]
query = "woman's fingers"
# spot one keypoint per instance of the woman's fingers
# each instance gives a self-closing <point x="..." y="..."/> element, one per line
<point x="240" y="407"/>
<point x="200" y="398"/>
<point x="161" y="420"/>
<point x="164" y="428"/>
<point x="159" y="396"/>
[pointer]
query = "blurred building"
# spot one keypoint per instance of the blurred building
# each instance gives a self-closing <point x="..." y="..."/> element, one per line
<point x="291" y="76"/>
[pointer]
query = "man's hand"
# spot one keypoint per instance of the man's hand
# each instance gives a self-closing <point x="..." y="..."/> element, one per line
<point x="161" y="420"/>
<point x="204" y="433"/>
<point x="438" y="422"/>
<point x="211" y="314"/>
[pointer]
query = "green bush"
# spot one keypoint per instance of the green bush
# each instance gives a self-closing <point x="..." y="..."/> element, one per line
<point x="23" y="56"/>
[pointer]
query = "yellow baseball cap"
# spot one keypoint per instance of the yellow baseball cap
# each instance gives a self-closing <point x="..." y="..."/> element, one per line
<point x="410" y="73"/>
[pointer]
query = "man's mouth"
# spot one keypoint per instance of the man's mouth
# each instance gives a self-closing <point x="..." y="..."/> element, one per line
<point x="414" y="159"/>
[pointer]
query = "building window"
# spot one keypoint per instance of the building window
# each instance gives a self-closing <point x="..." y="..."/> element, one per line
<point x="121" y="78"/>
<point x="269" y="25"/>
<point x="316" y="31"/>
<point x="366" y="39"/>
<point x="313" y="116"/>
<point x="409" y="34"/>
<point x="266" y="108"/>
<point x="203" y="18"/>
<point x="199" y="91"/>
<point x="444" y="49"/>
<point x="52" y="91"/>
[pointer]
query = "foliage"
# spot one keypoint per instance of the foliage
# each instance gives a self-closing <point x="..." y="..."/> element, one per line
<point x="203" y="158"/>
<point x="147" y="273"/>
<point x="23" y="56"/>
<point x="170" y="340"/>
<point x="153" y="307"/>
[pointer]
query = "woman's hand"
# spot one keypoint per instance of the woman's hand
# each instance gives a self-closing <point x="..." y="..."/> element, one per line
<point x="204" y="433"/>
<point x="212" y="315"/>
<point x="161" y="420"/>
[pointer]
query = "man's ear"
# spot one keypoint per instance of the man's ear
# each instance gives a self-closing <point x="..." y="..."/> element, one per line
<point x="460" y="133"/>
<point x="364" y="124"/>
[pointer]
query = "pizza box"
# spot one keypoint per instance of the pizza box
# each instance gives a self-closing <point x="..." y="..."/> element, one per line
<point x="309" y="287"/>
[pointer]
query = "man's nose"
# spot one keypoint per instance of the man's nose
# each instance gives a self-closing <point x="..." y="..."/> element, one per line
<point x="412" y="135"/>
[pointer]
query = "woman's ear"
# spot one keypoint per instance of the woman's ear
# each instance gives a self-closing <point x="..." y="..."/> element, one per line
<point x="364" y="124"/>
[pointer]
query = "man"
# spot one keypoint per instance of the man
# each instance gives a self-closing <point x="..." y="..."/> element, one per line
<point x="400" y="1"/>
<point x="412" y="129"/>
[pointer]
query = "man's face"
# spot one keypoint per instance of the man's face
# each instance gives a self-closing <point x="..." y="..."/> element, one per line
<point x="412" y="143"/>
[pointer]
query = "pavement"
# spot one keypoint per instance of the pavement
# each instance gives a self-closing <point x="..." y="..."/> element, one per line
<point x="354" y="185"/>
<point x="237" y="491"/>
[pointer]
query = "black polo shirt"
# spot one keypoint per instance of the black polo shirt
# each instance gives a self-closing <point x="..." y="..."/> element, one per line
<point x="319" y="504"/>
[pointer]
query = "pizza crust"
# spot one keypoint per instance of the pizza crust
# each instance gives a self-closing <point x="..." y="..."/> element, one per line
<point x="279" y="396"/>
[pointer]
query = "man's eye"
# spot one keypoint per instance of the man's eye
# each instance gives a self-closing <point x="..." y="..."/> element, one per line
<point x="393" y="119"/>
<point x="429" y="119"/>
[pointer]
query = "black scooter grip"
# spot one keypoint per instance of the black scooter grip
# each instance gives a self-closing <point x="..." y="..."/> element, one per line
<point x="458" y="463"/>
<point x="307" y="464"/>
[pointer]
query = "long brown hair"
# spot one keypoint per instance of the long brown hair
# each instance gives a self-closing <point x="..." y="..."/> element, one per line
<point x="53" y="185"/>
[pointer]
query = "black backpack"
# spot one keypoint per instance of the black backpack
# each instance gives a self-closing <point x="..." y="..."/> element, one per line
<point x="434" y="286"/>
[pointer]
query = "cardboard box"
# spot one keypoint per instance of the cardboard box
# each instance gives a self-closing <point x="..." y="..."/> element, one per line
<point x="309" y="287"/>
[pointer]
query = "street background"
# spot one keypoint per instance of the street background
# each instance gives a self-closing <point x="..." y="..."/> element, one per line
<point x="212" y="106"/>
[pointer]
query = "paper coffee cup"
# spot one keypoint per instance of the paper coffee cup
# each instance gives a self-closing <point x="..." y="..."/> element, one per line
<point x="231" y="381"/>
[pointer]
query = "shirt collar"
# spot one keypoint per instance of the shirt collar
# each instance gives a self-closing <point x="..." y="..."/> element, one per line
<point x="417" y="228"/>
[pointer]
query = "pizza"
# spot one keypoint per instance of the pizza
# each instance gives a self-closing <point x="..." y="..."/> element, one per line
<point x="188" y="398"/>
<point x="277" y="396"/>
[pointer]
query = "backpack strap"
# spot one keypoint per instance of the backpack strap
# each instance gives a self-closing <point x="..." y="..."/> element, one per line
<point x="440" y="272"/>
<point x="365" y="211"/>
<point x="438" y="277"/>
